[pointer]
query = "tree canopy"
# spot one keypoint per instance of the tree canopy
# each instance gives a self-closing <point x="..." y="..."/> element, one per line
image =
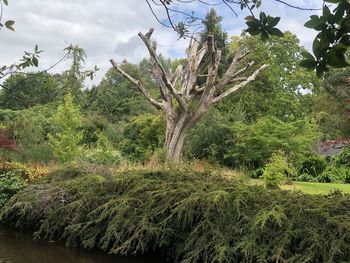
<point x="329" y="46"/>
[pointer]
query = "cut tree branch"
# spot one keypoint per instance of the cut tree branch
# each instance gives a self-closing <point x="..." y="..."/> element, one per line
<point x="229" y="74"/>
<point x="240" y="85"/>
<point x="147" y="40"/>
<point x="138" y="84"/>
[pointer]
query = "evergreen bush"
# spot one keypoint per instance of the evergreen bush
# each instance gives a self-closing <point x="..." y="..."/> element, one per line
<point x="183" y="215"/>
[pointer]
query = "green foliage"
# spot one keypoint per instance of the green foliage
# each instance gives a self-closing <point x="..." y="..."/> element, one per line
<point x="343" y="159"/>
<point x="103" y="153"/>
<point x="25" y="91"/>
<point x="252" y="146"/>
<point x="310" y="178"/>
<point x="335" y="174"/>
<point x="317" y="169"/>
<point x="263" y="26"/>
<point x="31" y="126"/>
<point x="276" y="171"/>
<point x="36" y="153"/>
<point x="212" y="26"/>
<point x="209" y="139"/>
<point x="332" y="41"/>
<point x="186" y="216"/>
<point x="143" y="136"/>
<point x="313" y="165"/>
<point x="15" y="176"/>
<point x="332" y="105"/>
<point x="92" y="125"/>
<point x="256" y="173"/>
<point x="10" y="184"/>
<point x="284" y="90"/>
<point x="225" y="138"/>
<point x="117" y="99"/>
<point x="66" y="138"/>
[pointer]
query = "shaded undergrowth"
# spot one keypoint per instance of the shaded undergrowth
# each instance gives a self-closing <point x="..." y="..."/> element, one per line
<point x="186" y="216"/>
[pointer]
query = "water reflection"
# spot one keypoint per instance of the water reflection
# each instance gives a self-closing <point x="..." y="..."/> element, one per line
<point x="18" y="247"/>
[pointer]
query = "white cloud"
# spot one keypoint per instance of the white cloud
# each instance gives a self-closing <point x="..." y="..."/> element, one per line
<point x="108" y="28"/>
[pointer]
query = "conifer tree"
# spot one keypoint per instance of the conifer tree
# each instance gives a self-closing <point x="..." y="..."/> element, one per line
<point x="65" y="141"/>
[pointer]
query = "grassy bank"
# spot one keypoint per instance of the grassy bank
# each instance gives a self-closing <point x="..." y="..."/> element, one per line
<point x="310" y="188"/>
<point x="183" y="215"/>
<point x="317" y="188"/>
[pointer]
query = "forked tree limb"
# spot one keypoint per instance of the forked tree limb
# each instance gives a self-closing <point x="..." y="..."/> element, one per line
<point x="229" y="74"/>
<point x="249" y="65"/>
<point x="138" y="84"/>
<point x="240" y="85"/>
<point x="180" y="117"/>
<point x="147" y="40"/>
<point x="177" y="74"/>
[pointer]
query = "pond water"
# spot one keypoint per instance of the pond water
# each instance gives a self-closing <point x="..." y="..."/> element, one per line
<point x="17" y="247"/>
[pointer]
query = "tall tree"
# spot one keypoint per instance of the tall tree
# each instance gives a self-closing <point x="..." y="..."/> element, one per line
<point x="286" y="90"/>
<point x="27" y="90"/>
<point x="333" y="104"/>
<point x="73" y="79"/>
<point x="212" y="26"/>
<point x="186" y="103"/>
<point x="115" y="96"/>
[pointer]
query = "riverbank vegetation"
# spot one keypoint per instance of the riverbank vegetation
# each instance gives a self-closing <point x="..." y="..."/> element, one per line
<point x="184" y="215"/>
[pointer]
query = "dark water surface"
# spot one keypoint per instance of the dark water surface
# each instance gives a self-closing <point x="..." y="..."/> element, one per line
<point x="17" y="247"/>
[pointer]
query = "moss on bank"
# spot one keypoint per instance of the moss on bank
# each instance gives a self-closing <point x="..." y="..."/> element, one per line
<point x="187" y="216"/>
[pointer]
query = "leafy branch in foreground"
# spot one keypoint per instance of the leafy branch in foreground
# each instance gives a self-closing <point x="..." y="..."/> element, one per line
<point x="333" y="39"/>
<point x="329" y="47"/>
<point x="31" y="59"/>
<point x="9" y="23"/>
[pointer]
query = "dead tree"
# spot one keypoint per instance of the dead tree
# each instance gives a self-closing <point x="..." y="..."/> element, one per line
<point x="183" y="102"/>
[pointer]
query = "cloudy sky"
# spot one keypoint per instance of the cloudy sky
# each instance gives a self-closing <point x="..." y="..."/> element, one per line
<point x="108" y="29"/>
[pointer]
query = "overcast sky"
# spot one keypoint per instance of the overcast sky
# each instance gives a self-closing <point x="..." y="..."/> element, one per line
<point x="108" y="29"/>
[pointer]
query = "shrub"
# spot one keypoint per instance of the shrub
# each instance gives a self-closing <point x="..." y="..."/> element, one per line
<point x="36" y="153"/>
<point x="10" y="184"/>
<point x="256" y="173"/>
<point x="276" y="171"/>
<point x="337" y="174"/>
<point x="103" y="153"/>
<point x="14" y="177"/>
<point x="313" y="165"/>
<point x="64" y="142"/>
<point x="28" y="172"/>
<point x="324" y="178"/>
<point x="184" y="215"/>
<point x="304" y="178"/>
<point x="252" y="146"/>
<point x="93" y="125"/>
<point x="343" y="159"/>
<point x="143" y="136"/>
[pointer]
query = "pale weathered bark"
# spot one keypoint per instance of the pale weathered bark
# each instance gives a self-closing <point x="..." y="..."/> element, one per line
<point x="178" y="104"/>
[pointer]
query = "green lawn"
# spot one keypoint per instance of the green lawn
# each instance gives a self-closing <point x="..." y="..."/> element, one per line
<point x="311" y="188"/>
<point x="317" y="188"/>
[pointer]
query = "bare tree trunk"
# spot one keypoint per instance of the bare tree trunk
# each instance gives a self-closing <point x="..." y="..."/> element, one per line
<point x="177" y="103"/>
<point x="176" y="138"/>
